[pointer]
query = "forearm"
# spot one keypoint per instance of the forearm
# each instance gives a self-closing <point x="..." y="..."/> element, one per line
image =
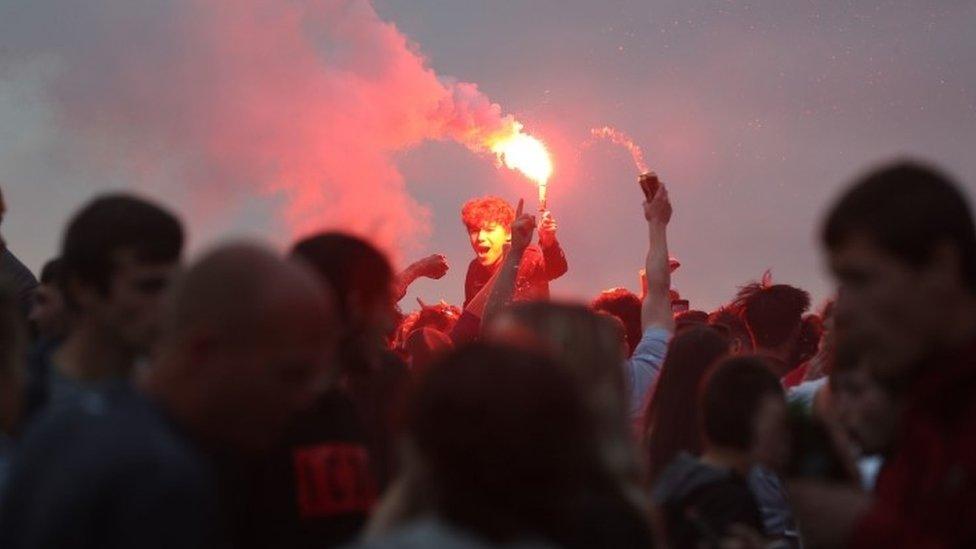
<point x="403" y="281"/>
<point x="503" y="290"/>
<point x="656" y="309"/>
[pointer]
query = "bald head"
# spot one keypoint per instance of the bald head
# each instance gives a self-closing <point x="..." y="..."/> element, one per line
<point x="245" y="338"/>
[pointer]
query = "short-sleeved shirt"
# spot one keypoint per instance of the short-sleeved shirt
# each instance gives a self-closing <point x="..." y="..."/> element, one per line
<point x="108" y="471"/>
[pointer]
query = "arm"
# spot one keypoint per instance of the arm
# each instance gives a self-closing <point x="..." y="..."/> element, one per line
<point x="433" y="266"/>
<point x="656" y="310"/>
<point x="504" y="287"/>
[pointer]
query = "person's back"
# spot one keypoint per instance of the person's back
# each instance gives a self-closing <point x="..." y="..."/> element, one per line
<point x="243" y="338"/>
<point x="700" y="502"/>
<point x="108" y="471"/>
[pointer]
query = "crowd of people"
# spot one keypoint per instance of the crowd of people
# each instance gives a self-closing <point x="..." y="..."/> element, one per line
<point x="259" y="399"/>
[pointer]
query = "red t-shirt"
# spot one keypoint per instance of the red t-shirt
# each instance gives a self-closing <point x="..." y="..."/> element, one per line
<point x="927" y="494"/>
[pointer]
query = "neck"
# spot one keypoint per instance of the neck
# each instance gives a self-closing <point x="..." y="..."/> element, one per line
<point x="728" y="458"/>
<point x="88" y="354"/>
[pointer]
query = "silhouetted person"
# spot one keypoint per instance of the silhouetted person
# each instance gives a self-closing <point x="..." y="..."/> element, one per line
<point x="774" y="317"/>
<point x="118" y="255"/>
<point x="902" y="246"/>
<point x="16" y="273"/>
<point x="743" y="423"/>
<point x="500" y="444"/>
<point x="244" y="342"/>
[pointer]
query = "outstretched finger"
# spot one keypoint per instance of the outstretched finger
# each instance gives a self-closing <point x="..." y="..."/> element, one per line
<point x="518" y="211"/>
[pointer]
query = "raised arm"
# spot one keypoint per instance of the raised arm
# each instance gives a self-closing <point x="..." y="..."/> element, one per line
<point x="433" y="266"/>
<point x="504" y="287"/>
<point x="656" y="310"/>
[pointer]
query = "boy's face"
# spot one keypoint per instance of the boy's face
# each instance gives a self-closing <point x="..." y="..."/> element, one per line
<point x="488" y="242"/>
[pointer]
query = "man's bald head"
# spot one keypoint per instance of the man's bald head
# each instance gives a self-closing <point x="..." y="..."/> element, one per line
<point x="246" y="336"/>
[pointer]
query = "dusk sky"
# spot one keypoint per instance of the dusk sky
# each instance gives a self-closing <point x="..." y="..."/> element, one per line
<point x="755" y="113"/>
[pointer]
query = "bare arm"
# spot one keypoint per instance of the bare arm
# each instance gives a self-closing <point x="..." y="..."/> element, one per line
<point x="656" y="310"/>
<point x="503" y="289"/>
<point x="433" y="266"/>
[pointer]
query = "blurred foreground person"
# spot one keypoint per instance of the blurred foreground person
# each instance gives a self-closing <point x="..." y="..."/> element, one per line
<point x="48" y="314"/>
<point x="500" y="443"/>
<point x="743" y="423"/>
<point x="242" y="344"/>
<point x="118" y="255"/>
<point x="13" y="342"/>
<point x="15" y="272"/>
<point x="902" y="245"/>
<point x="320" y="482"/>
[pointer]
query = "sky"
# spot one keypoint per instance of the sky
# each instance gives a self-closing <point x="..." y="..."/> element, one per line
<point x="754" y="113"/>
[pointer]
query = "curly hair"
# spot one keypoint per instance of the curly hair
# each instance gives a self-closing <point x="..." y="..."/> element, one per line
<point x="478" y="212"/>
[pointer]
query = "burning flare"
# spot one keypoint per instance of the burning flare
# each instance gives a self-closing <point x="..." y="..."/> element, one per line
<point x="522" y="152"/>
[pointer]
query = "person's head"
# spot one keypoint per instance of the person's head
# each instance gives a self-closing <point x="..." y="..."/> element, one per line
<point x="501" y="440"/>
<point x="809" y="339"/>
<point x="625" y="305"/>
<point x="425" y="345"/>
<point x="727" y="320"/>
<point x="118" y="255"/>
<point x="743" y="409"/>
<point x="246" y="341"/>
<point x="689" y="319"/>
<point x="671" y="416"/>
<point x="580" y="339"/>
<point x="867" y="407"/>
<point x="774" y="316"/>
<point x="48" y="314"/>
<point x="489" y="222"/>
<point x="361" y="278"/>
<point x="13" y="341"/>
<point x="901" y="244"/>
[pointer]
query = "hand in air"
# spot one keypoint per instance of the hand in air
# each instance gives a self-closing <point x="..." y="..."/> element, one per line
<point x="547" y="229"/>
<point x="658" y="209"/>
<point x="434" y="266"/>
<point x="522" y="228"/>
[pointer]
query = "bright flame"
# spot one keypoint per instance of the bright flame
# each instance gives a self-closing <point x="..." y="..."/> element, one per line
<point x="522" y="152"/>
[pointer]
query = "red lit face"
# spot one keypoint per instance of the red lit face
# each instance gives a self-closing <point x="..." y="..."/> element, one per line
<point x="489" y="241"/>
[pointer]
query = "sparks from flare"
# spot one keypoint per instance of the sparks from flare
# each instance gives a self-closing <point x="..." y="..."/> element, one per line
<point x="618" y="137"/>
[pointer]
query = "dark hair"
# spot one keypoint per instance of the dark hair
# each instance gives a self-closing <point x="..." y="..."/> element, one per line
<point x="726" y="319"/>
<point x="352" y="267"/>
<point x="671" y="417"/>
<point x="111" y="224"/>
<point x="51" y="272"/>
<point x="730" y="398"/>
<point x="772" y="313"/>
<point x="689" y="319"/>
<point x="507" y="440"/>
<point x="626" y="306"/>
<point x="907" y="208"/>
<point x="479" y="212"/>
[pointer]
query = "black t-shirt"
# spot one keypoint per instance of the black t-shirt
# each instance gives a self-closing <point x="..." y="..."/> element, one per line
<point x="317" y="488"/>
<point x="109" y="471"/>
<point x="21" y="277"/>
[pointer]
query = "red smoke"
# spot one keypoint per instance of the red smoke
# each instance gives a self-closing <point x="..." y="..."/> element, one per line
<point x="308" y="100"/>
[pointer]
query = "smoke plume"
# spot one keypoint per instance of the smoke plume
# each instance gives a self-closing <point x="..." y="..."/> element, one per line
<point x="307" y="101"/>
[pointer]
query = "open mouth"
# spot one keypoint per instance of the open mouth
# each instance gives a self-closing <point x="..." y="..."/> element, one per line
<point x="483" y="249"/>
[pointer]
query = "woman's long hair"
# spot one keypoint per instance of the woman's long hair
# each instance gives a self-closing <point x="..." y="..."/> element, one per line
<point x="671" y="419"/>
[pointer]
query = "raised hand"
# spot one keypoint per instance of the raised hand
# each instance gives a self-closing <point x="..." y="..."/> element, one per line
<point x="433" y="266"/>
<point x="658" y="209"/>
<point x="547" y="229"/>
<point x="522" y="228"/>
